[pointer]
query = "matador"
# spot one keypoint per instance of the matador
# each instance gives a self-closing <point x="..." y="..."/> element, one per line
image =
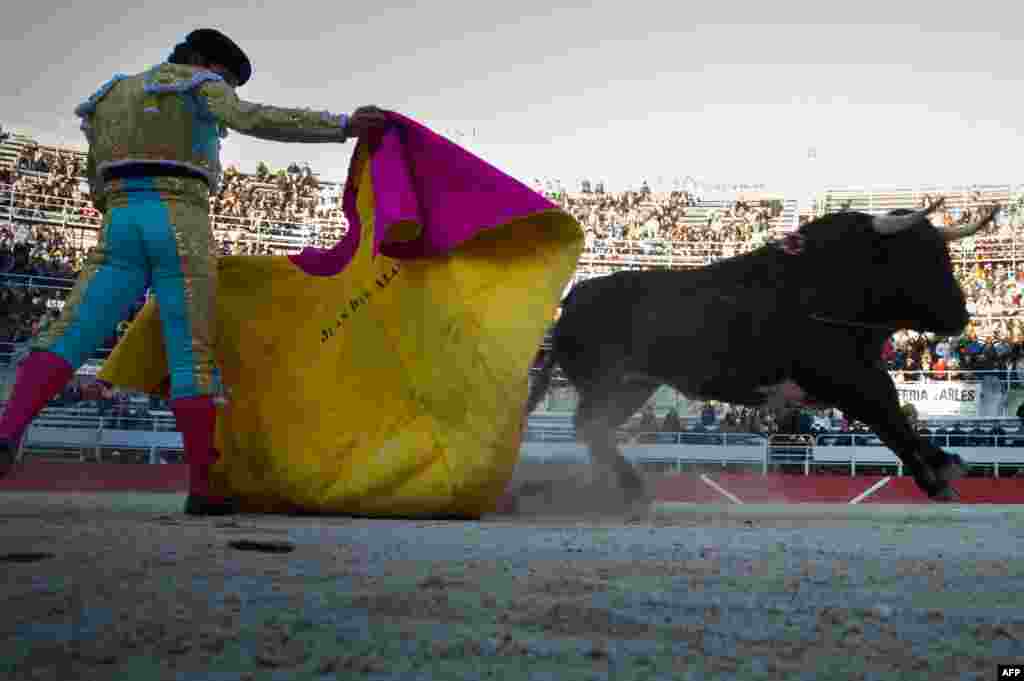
<point x="154" y="158"/>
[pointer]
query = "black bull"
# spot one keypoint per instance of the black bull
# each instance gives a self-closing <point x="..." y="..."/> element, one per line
<point x="797" y="321"/>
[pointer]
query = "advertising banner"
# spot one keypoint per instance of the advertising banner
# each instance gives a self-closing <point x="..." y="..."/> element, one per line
<point x="944" y="398"/>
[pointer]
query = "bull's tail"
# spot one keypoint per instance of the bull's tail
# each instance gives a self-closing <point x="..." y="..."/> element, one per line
<point x="541" y="383"/>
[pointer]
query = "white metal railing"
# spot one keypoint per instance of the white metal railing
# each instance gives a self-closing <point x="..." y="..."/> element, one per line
<point x="1006" y="377"/>
<point x="883" y="198"/>
<point x="36" y="281"/>
<point x="285" y="233"/>
<point x="660" y="252"/>
<point x="261" y="229"/>
<point x="84" y="428"/>
<point x="987" y="449"/>
<point x="11" y="353"/>
<point x="647" y="449"/>
<point x="562" y="398"/>
<point x="48" y="208"/>
<point x="710" y="437"/>
<point x="50" y="435"/>
<point x="82" y="415"/>
<point x="664" y="253"/>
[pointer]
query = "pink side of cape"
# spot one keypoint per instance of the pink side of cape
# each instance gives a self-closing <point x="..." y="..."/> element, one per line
<point x="418" y="176"/>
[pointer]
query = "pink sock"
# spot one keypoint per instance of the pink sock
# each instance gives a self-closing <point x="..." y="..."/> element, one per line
<point x="196" y="418"/>
<point x="41" y="376"/>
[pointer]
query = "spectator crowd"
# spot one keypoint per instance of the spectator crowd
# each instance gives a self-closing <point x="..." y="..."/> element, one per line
<point x="282" y="208"/>
<point x="640" y="222"/>
<point x="47" y="225"/>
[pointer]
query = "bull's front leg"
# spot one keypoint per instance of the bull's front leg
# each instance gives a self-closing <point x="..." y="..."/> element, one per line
<point x="868" y="395"/>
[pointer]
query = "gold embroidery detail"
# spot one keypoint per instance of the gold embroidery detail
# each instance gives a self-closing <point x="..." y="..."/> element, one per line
<point x="270" y="122"/>
<point x="130" y="124"/>
<point x="197" y="255"/>
<point x="124" y="126"/>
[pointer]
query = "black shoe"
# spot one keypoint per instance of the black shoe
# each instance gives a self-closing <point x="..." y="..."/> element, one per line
<point x="8" y="456"/>
<point x="198" y="505"/>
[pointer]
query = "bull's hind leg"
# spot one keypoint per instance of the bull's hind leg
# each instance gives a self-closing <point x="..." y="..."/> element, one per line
<point x="600" y="411"/>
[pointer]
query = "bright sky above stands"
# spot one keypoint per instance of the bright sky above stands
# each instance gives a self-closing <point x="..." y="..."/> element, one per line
<point x="788" y="94"/>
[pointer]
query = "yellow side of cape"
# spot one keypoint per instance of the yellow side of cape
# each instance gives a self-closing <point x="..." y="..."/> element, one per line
<point x="395" y="388"/>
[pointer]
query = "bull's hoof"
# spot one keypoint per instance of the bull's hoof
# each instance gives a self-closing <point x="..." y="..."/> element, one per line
<point x="207" y="506"/>
<point x="635" y="493"/>
<point x="935" y="477"/>
<point x="545" y="488"/>
<point x="945" y="495"/>
<point x="953" y="469"/>
<point x="639" y="505"/>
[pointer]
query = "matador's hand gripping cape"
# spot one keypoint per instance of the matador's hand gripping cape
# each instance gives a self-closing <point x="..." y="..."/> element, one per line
<point x="386" y="376"/>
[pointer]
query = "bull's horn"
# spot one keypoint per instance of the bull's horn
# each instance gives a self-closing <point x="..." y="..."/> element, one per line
<point x="891" y="224"/>
<point x="953" y="233"/>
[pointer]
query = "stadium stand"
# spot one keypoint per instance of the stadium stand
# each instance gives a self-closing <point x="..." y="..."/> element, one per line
<point x="47" y="225"/>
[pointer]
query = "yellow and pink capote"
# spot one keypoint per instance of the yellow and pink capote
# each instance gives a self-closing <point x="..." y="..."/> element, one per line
<point x="385" y="376"/>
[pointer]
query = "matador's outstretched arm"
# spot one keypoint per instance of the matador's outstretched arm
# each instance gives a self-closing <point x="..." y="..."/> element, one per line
<point x="270" y="122"/>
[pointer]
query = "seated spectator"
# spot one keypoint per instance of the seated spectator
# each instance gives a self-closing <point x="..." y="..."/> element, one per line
<point x="708" y="416"/>
<point x="648" y="425"/>
<point x="805" y="423"/>
<point x="672" y="423"/>
<point x="728" y="424"/>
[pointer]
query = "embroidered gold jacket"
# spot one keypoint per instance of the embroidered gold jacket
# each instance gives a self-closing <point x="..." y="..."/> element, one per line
<point x="176" y="115"/>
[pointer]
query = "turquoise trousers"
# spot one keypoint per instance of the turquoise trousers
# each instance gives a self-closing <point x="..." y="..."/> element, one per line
<point x="156" y="234"/>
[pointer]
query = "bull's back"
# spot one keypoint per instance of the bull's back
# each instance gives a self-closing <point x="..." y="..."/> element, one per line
<point x="621" y="300"/>
<point x="698" y="323"/>
<point x="600" y="303"/>
<point x="622" y="313"/>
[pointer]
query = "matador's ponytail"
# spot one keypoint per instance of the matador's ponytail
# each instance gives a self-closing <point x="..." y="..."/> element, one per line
<point x="184" y="54"/>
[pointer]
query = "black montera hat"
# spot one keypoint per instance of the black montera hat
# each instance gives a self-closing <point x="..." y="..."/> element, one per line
<point x="217" y="47"/>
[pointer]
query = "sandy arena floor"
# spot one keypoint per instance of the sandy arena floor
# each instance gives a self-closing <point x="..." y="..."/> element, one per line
<point x="133" y="589"/>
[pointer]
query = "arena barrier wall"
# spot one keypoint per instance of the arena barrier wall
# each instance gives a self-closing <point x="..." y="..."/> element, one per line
<point x="718" y="488"/>
<point x="671" y="455"/>
<point x="708" y="488"/>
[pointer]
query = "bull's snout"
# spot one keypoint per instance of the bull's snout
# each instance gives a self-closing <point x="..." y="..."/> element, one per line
<point x="958" y="327"/>
<point x="941" y="314"/>
<point x="952" y="324"/>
